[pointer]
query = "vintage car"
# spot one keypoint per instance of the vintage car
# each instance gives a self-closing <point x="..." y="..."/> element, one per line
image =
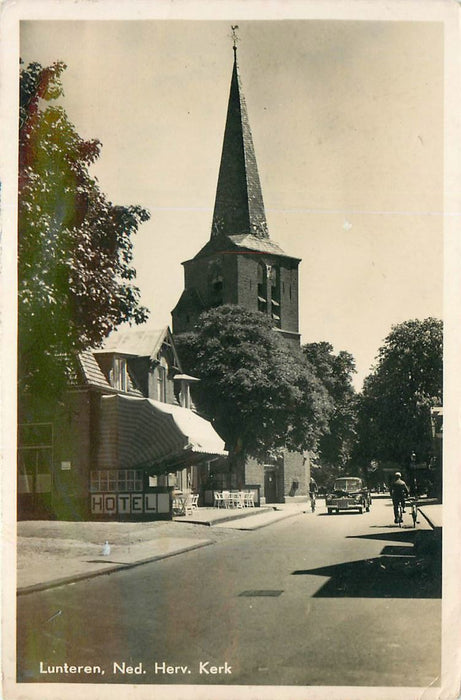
<point x="348" y="493"/>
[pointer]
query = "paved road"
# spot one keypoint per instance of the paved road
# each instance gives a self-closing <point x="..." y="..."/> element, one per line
<point x="312" y="600"/>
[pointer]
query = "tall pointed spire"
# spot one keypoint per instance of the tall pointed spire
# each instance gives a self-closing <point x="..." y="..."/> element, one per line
<point x="239" y="206"/>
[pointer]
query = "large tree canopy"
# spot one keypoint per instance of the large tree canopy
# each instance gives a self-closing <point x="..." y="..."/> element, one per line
<point x="74" y="246"/>
<point x="335" y="372"/>
<point x="260" y="393"/>
<point x="394" y="416"/>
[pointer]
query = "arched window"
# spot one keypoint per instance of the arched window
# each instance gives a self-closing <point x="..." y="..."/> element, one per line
<point x="262" y="288"/>
<point x="274" y="277"/>
<point x="215" y="278"/>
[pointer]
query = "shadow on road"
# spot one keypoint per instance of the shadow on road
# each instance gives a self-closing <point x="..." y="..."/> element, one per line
<point x="381" y="577"/>
<point x="398" y="535"/>
<point x="402" y="571"/>
<point x="426" y="543"/>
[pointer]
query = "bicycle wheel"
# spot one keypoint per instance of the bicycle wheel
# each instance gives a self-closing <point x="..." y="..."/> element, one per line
<point x="400" y="516"/>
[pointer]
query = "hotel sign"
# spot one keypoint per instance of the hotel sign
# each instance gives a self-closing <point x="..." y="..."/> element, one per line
<point x="130" y="503"/>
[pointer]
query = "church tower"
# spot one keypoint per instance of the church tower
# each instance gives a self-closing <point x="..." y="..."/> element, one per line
<point x="240" y="264"/>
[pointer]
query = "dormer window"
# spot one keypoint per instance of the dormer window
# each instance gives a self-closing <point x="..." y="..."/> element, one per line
<point x="119" y="374"/>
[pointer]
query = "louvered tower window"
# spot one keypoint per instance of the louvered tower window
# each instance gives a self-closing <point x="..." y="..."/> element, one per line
<point x="274" y="277"/>
<point x="262" y="289"/>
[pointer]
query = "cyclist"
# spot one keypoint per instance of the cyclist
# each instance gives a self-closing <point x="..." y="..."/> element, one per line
<point x="312" y="491"/>
<point x="399" y="492"/>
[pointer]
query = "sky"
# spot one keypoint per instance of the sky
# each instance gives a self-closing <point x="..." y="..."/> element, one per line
<point x="347" y="123"/>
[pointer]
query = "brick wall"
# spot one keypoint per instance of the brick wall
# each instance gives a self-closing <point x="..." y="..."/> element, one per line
<point x="289" y="298"/>
<point x="296" y="469"/>
<point x="254" y="473"/>
<point x="247" y="290"/>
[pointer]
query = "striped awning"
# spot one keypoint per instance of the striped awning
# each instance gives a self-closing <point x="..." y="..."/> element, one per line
<point x="139" y="432"/>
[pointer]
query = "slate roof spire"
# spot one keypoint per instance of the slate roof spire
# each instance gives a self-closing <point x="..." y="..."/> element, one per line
<point x="239" y="206"/>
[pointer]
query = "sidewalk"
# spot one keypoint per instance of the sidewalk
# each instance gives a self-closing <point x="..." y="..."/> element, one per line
<point x="433" y="513"/>
<point x="54" y="553"/>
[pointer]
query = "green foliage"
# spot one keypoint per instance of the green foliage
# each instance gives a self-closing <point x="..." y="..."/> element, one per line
<point x="394" y="415"/>
<point x="335" y="373"/>
<point x="74" y="246"/>
<point x="260" y="393"/>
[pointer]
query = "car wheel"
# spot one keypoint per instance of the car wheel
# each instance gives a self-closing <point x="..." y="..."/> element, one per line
<point x="367" y="508"/>
<point x="330" y="511"/>
<point x="360" y="510"/>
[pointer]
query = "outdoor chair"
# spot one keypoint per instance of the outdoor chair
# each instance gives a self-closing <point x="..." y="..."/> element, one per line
<point x="218" y="499"/>
<point x="249" y="499"/>
<point x="188" y="507"/>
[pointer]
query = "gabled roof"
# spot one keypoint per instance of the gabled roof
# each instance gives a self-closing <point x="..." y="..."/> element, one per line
<point x="239" y="206"/>
<point x="144" y="342"/>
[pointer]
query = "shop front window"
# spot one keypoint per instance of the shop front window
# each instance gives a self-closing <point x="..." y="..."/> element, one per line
<point x="116" y="481"/>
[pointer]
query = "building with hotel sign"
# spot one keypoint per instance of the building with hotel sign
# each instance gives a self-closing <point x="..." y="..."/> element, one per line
<point x="126" y="436"/>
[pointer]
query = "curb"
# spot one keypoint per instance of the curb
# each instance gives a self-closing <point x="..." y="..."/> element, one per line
<point x="428" y="519"/>
<point x="37" y="587"/>
<point x="227" y="518"/>
<point x="271" y="522"/>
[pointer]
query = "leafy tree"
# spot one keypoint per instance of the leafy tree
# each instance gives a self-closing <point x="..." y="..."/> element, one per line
<point x="335" y="372"/>
<point x="74" y="246"/>
<point x="260" y="394"/>
<point x="394" y="414"/>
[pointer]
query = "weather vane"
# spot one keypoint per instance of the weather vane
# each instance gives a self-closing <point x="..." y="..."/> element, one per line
<point x="235" y="37"/>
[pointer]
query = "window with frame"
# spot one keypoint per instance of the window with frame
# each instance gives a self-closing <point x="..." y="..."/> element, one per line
<point x="119" y="378"/>
<point x="35" y="458"/>
<point x="162" y="376"/>
<point x="116" y="480"/>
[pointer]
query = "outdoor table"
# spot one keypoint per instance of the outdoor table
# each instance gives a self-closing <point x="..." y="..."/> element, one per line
<point x="236" y="499"/>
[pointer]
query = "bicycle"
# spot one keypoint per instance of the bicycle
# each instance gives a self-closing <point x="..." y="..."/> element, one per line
<point x="413" y="503"/>
<point x="312" y="499"/>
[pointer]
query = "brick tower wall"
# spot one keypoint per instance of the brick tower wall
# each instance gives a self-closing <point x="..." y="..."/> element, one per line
<point x="289" y="311"/>
<point x="292" y="473"/>
<point x="247" y="282"/>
